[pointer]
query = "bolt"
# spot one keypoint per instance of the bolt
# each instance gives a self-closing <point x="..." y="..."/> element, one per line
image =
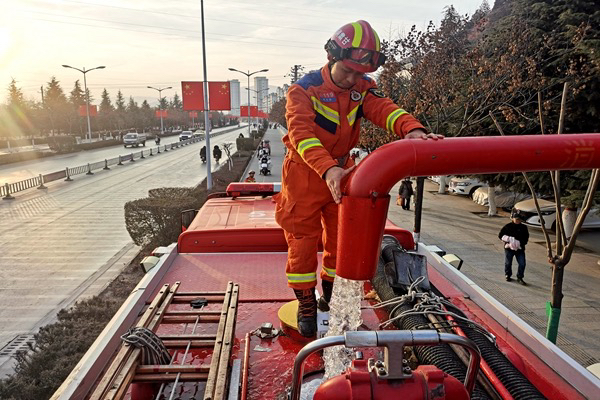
<point x="382" y="371"/>
<point x="407" y="370"/>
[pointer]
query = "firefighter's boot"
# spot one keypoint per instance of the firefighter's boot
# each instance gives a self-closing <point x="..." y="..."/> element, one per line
<point x="324" y="300"/>
<point x="307" y="312"/>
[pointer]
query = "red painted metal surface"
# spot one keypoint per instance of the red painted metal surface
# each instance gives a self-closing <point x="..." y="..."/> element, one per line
<point x="377" y="173"/>
<point x="226" y="225"/>
<point x="426" y="382"/>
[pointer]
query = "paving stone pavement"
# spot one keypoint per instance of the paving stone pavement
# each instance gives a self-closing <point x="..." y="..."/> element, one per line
<point x="457" y="225"/>
<point x="70" y="239"/>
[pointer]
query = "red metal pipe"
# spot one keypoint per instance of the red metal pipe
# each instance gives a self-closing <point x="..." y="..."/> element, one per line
<point x="245" y="367"/>
<point x="375" y="175"/>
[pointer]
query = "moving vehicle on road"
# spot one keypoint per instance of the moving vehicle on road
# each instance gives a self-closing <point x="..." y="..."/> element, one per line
<point x="213" y="317"/>
<point x="134" y="139"/>
<point x="185" y="135"/>
<point x="548" y="210"/>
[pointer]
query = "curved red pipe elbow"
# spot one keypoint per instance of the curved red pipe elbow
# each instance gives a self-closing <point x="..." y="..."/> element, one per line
<point x="365" y="202"/>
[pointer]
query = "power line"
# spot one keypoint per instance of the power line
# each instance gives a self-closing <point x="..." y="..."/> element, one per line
<point x="189" y="16"/>
<point x="159" y="27"/>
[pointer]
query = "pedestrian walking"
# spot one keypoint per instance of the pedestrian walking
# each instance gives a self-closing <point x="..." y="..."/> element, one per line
<point x="405" y="193"/>
<point x="515" y="236"/>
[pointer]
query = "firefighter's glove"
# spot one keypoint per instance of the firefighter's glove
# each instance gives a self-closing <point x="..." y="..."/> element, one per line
<point x="333" y="177"/>
<point x="421" y="134"/>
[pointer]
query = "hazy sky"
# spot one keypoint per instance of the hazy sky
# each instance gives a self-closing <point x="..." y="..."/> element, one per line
<point x="158" y="42"/>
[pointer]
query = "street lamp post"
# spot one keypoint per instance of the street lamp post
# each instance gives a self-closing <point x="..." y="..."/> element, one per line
<point x="257" y="92"/>
<point x="87" y="97"/>
<point x="248" y="74"/>
<point x="162" y="130"/>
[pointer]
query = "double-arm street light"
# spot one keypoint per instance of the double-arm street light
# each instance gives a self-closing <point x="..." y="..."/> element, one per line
<point x="87" y="97"/>
<point x="257" y="92"/>
<point x="162" y="130"/>
<point x="248" y="74"/>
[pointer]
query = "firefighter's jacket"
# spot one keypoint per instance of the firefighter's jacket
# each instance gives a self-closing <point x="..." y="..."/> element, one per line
<point x="324" y="119"/>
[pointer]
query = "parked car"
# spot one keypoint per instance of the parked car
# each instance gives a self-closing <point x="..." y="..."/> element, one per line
<point x="465" y="186"/>
<point x="198" y="133"/>
<point x="185" y="135"/>
<point x="548" y="210"/>
<point x="436" y="179"/>
<point x="134" y="139"/>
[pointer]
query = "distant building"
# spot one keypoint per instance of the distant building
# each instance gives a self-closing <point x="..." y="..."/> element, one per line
<point x="261" y="85"/>
<point x="273" y="98"/>
<point x="234" y="84"/>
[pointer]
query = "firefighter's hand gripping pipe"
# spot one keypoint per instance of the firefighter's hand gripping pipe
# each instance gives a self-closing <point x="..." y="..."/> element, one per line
<point x="365" y="202"/>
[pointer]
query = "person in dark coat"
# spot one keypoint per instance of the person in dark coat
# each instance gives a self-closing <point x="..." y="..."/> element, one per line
<point x="405" y="192"/>
<point x="515" y="236"/>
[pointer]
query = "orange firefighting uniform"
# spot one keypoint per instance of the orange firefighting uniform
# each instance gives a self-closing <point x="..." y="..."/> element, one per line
<point x="323" y="126"/>
<point x="250" y="179"/>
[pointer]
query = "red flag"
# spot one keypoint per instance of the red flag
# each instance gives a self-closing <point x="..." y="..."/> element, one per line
<point x="83" y="112"/>
<point x="244" y="111"/>
<point x="193" y="114"/>
<point x="158" y="113"/>
<point x="193" y="96"/>
<point x="219" y="96"/>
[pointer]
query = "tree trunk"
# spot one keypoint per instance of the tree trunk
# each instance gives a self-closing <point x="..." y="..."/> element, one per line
<point x="569" y="217"/>
<point x="553" y="307"/>
<point x="492" y="211"/>
<point x="442" y="189"/>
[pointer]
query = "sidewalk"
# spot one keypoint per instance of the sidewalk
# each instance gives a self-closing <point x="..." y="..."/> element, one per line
<point x="457" y="225"/>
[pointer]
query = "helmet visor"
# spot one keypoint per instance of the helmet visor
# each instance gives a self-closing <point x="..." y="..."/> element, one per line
<point x="364" y="56"/>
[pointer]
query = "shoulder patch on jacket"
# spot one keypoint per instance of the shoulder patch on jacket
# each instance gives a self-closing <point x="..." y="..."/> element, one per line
<point x="376" y="92"/>
<point x="313" y="78"/>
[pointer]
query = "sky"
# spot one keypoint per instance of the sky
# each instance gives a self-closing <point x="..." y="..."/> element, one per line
<point x="159" y="42"/>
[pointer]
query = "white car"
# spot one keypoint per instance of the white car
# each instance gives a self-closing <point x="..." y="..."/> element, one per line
<point x="548" y="210"/>
<point x="465" y="186"/>
<point x="185" y="135"/>
<point x="503" y="199"/>
<point x="134" y="139"/>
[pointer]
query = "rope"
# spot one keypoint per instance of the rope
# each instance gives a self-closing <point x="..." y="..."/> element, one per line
<point x="153" y="350"/>
<point x="427" y="303"/>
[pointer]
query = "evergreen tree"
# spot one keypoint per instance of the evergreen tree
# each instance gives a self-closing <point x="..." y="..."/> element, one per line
<point x="77" y="96"/>
<point x="15" y="117"/>
<point x="176" y="103"/>
<point x="120" y="102"/>
<point x="105" y="113"/>
<point x="57" y="105"/>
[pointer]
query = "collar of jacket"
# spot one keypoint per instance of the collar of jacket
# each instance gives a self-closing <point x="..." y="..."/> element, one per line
<point x="326" y="75"/>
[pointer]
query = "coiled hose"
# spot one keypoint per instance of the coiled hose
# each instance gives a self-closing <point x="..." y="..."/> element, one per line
<point x="515" y="382"/>
<point x="441" y="355"/>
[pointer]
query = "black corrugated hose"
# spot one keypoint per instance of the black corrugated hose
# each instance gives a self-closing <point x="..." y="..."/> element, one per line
<point x="441" y="355"/>
<point x="515" y="382"/>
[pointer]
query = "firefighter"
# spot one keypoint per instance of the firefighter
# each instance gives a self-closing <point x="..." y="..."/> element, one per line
<point x="250" y="177"/>
<point x="324" y="109"/>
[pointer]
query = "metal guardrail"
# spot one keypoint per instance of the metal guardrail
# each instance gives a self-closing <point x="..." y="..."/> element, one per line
<point x="8" y="189"/>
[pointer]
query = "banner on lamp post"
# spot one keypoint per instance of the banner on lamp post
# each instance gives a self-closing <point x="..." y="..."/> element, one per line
<point x="83" y="112"/>
<point x="219" y="95"/>
<point x="160" y="113"/>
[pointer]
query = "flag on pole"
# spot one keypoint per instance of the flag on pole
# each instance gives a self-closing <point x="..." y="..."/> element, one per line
<point x="193" y="114"/>
<point x="219" y="97"/>
<point x="160" y="113"/>
<point x="253" y="111"/>
<point x="83" y="111"/>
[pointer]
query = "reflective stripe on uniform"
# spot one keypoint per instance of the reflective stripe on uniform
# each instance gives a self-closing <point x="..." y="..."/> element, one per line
<point x="329" y="271"/>
<point x="302" y="278"/>
<point x="357" y="34"/>
<point x="307" y="144"/>
<point x="325" y="111"/>
<point x="391" y="119"/>
<point x="352" y="114"/>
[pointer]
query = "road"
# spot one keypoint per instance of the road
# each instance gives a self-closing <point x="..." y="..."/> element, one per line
<point x="58" y="241"/>
<point x="28" y="169"/>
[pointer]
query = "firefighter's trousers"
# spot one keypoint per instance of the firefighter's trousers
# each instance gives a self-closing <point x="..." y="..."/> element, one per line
<point x="307" y="213"/>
